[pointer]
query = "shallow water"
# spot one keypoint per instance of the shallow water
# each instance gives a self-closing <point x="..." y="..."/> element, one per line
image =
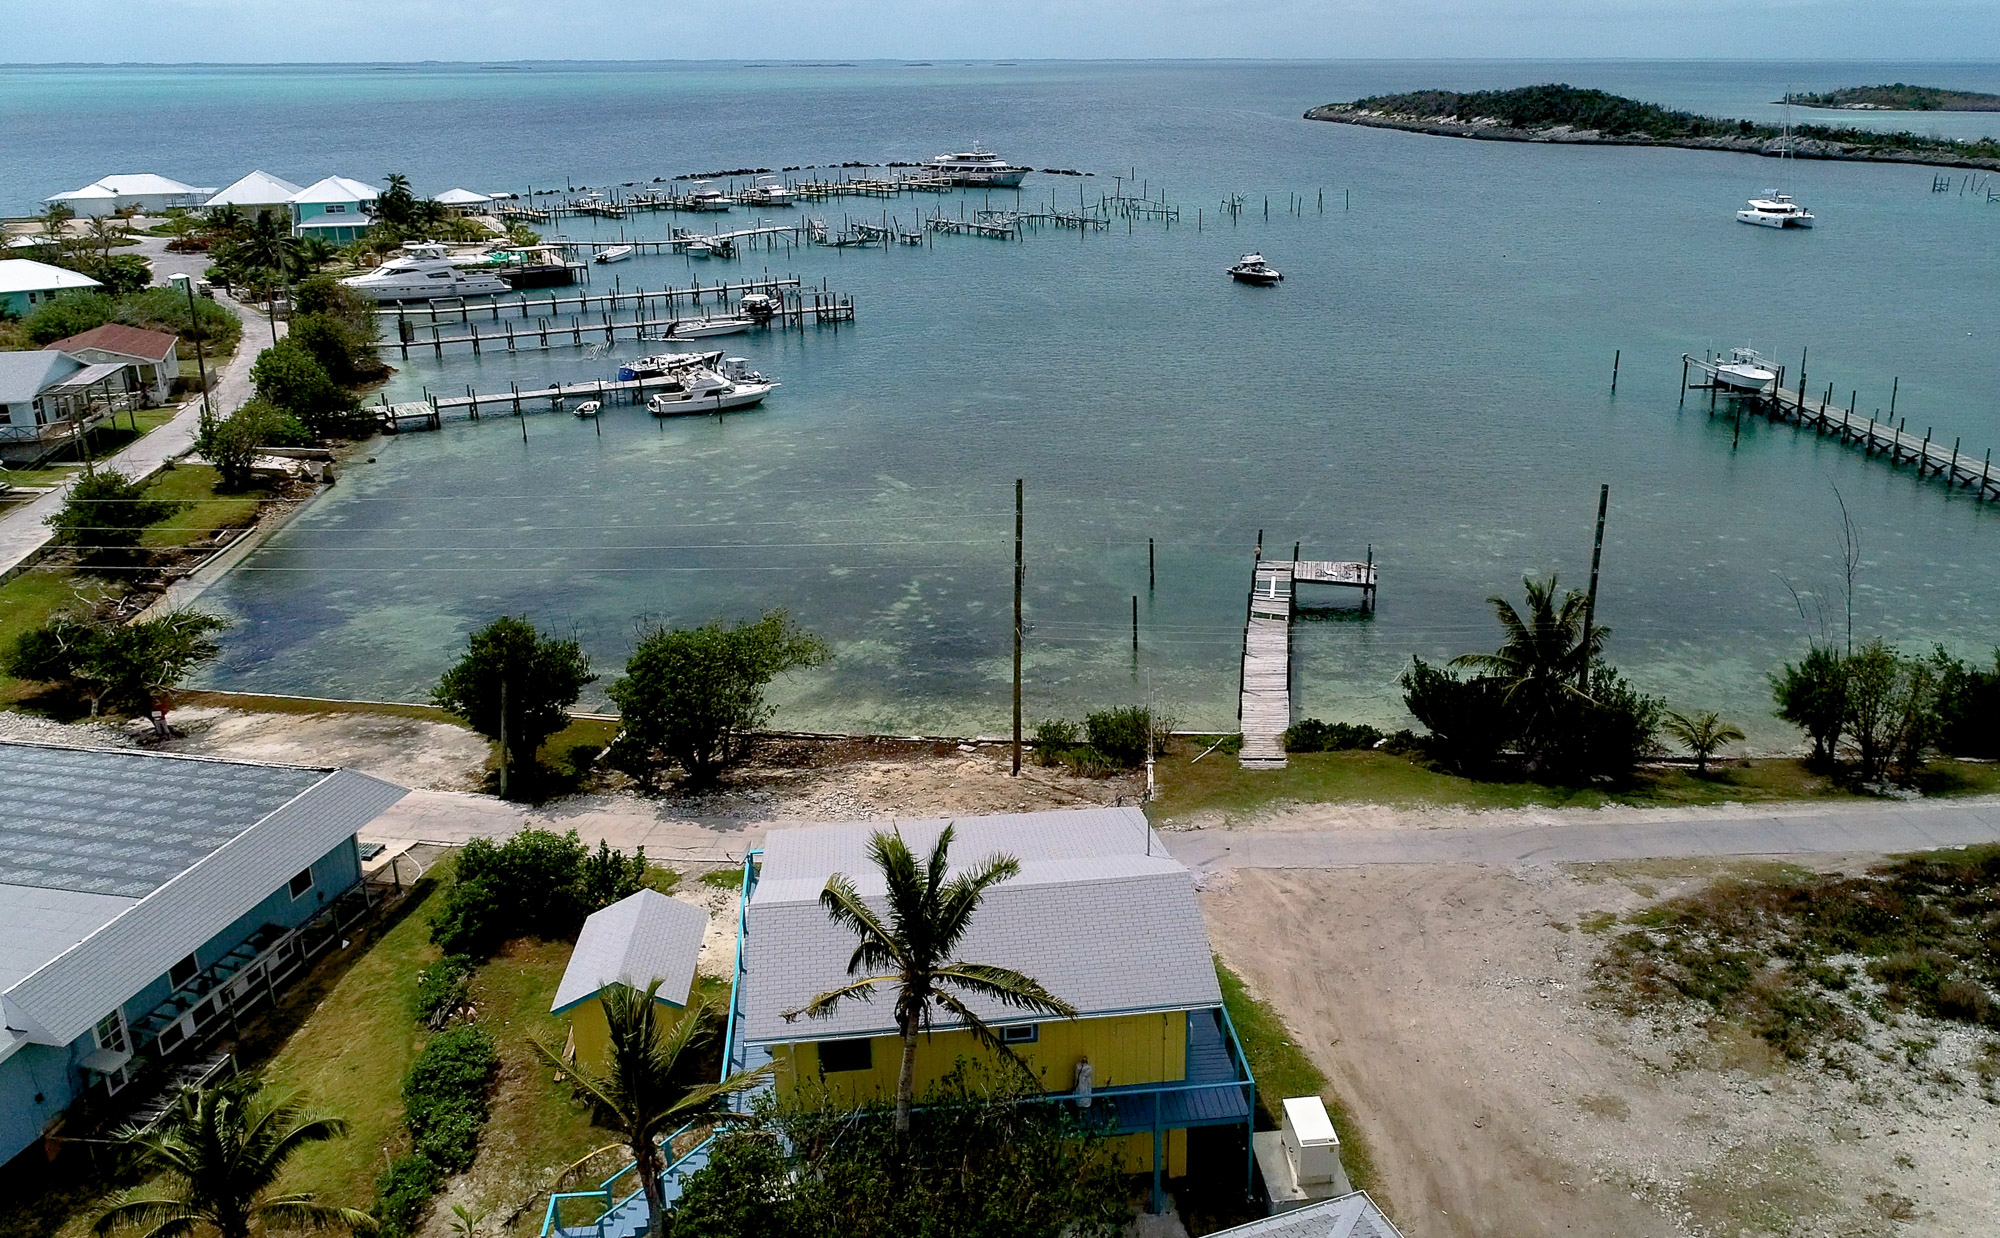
<point x="1431" y="380"/>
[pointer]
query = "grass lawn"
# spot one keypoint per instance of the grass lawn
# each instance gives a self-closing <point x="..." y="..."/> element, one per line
<point x="27" y="602"/>
<point x="1218" y="784"/>
<point x="1282" y="1069"/>
<point x="207" y="510"/>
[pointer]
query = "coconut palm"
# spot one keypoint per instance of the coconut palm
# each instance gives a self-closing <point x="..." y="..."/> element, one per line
<point x="214" y="1157"/>
<point x="1543" y="657"/>
<point x="643" y="1093"/>
<point x="913" y="952"/>
<point x="1701" y="734"/>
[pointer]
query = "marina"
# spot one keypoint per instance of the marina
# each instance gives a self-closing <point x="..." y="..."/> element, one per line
<point x="799" y="310"/>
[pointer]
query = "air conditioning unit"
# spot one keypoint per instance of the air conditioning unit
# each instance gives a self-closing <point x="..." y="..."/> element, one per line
<point x="1300" y="1161"/>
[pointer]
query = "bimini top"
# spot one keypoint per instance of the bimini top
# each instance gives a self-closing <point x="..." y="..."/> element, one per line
<point x="635" y="941"/>
<point x="1100" y="914"/>
<point x="115" y="864"/>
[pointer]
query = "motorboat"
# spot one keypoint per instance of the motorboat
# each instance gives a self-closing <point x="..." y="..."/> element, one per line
<point x="590" y="408"/>
<point x="768" y="191"/>
<point x="1746" y="369"/>
<point x="758" y="306"/>
<point x="617" y="253"/>
<point x="424" y="276"/>
<point x="667" y="363"/>
<point x="704" y="390"/>
<point x="977" y="168"/>
<point x="705" y="197"/>
<point x="699" y="249"/>
<point x="695" y="328"/>
<point x="1252" y="269"/>
<point x="1776" y="211"/>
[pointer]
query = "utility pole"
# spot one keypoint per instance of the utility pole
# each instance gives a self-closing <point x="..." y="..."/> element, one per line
<point x="1590" y="599"/>
<point x="503" y="735"/>
<point x="1017" y="626"/>
<point x="200" y="354"/>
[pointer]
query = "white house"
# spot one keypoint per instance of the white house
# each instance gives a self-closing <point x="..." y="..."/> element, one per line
<point x="256" y="194"/>
<point x="151" y="194"/>
<point x="153" y="355"/>
<point x="25" y="283"/>
<point x="336" y="208"/>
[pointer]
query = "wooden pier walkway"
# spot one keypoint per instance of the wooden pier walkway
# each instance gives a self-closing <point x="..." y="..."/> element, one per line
<point x="1264" y="705"/>
<point x="817" y="308"/>
<point x="1959" y="468"/>
<point x="429" y="413"/>
<point x="523" y="306"/>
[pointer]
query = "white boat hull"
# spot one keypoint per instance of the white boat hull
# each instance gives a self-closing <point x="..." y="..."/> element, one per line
<point x="617" y="253"/>
<point x="1745" y="377"/>
<point x="745" y="396"/>
<point x="1762" y="220"/>
<point x="697" y="328"/>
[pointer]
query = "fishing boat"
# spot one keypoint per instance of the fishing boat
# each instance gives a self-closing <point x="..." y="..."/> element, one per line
<point x="1252" y="269"/>
<point x="695" y="328"/>
<point x="661" y="364"/>
<point x="768" y="191"/>
<point x="1746" y="369"/>
<point x="1776" y="211"/>
<point x="705" y="197"/>
<point x="758" y="306"/>
<point x="977" y="168"/>
<point x="703" y="390"/>
<point x="424" y="274"/>
<point x="589" y="408"/>
<point x="699" y="249"/>
<point x="617" y="253"/>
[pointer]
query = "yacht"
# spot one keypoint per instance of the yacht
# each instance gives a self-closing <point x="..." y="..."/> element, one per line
<point x="759" y="306"/>
<point x="1252" y="269"/>
<point x="977" y="168"/>
<point x="423" y="275"/>
<point x="695" y="328"/>
<point x="617" y="253"/>
<point x="1746" y="369"/>
<point x="1776" y="211"/>
<point x="667" y="363"/>
<point x="703" y="390"/>
<point x="768" y="191"/>
<point x="705" y="197"/>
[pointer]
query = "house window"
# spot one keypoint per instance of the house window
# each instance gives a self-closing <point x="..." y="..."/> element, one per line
<point x="836" y="1055"/>
<point x="1021" y="1035"/>
<point x="110" y="1032"/>
<point x="302" y="882"/>
<point x="182" y="972"/>
<point x="336" y="210"/>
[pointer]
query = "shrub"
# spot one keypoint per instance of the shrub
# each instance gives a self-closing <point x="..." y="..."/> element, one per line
<point x="233" y="443"/>
<point x="1053" y="740"/>
<point x="116" y="666"/>
<point x="1312" y="735"/>
<point x="441" y="989"/>
<point x="536" y="675"/>
<point x="402" y="1190"/>
<point x="1892" y="714"/>
<point x="346" y="353"/>
<point x="105" y="514"/>
<point x="1616" y="727"/>
<point x="290" y="377"/>
<point x="444" y="1095"/>
<point x="607" y="876"/>
<point x="1468" y="719"/>
<point x="1812" y="696"/>
<point x="66" y="315"/>
<point x="1968" y="706"/>
<point x="536" y="884"/>
<point x="166" y="309"/>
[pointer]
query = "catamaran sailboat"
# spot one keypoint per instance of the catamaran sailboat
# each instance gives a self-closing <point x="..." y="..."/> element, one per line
<point x="977" y="168"/>
<point x="1776" y="211"/>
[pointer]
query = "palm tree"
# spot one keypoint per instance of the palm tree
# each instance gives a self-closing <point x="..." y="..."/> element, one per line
<point x="1701" y="735"/>
<point x="912" y="953"/>
<point x="216" y="1154"/>
<point x="1543" y="655"/>
<point x="643" y="1093"/>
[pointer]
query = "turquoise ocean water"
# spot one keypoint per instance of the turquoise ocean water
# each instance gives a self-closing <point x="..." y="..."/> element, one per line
<point x="1431" y="380"/>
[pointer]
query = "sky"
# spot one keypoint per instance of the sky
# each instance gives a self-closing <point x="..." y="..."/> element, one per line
<point x="374" y="30"/>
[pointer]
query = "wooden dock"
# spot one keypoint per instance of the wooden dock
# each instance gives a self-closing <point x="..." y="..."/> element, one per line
<point x="523" y="306"/>
<point x="1959" y="468"/>
<point x="430" y="412"/>
<point x="795" y="310"/>
<point x="1264" y="704"/>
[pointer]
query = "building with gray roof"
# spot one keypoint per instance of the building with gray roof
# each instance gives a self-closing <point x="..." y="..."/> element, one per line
<point x="1350" y="1216"/>
<point x="147" y="901"/>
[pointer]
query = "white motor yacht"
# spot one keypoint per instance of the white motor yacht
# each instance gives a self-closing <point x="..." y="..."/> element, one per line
<point x="422" y="275"/>
<point x="698" y="249"/>
<point x="768" y="191"/>
<point x="702" y="390"/>
<point x="705" y="197"/>
<point x="977" y="168"/>
<point x="695" y="328"/>
<point x="1776" y="211"/>
<point x="1746" y="369"/>
<point x="617" y="253"/>
<point x="667" y="363"/>
<point x="1252" y="269"/>
<point x="589" y="408"/>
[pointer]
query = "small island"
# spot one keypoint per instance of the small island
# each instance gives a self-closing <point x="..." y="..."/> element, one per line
<point x="1570" y="114"/>
<point x="1897" y="98"/>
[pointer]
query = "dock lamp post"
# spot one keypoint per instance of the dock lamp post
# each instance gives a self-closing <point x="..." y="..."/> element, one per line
<point x="200" y="355"/>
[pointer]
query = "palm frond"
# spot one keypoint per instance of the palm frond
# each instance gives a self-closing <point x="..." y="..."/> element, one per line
<point x="300" y="1212"/>
<point x="157" y="1211"/>
<point x="878" y="946"/>
<point x="582" y="1079"/>
<point x="1006" y="986"/>
<point x="826" y="1003"/>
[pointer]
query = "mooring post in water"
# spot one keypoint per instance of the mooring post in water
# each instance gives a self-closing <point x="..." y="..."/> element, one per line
<point x="1149" y="565"/>
<point x="1368" y="574"/>
<point x="1616" y="353"/>
<point x="1590" y="599"/>
<point x="1017" y="626"/>
<point x="1894" y="383"/>
<point x="1684" y="380"/>
<point x="1135" y="623"/>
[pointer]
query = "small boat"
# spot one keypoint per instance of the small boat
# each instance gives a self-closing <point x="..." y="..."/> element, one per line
<point x="703" y="390"/>
<point x="1746" y="370"/>
<point x="1776" y="211"/>
<point x="617" y="253"/>
<point x="699" y="249"/>
<point x="768" y="191"/>
<point x="589" y="408"/>
<point x="758" y="306"/>
<point x="1252" y="269"/>
<point x="667" y="363"/>
<point x="705" y="198"/>
<point x="694" y="328"/>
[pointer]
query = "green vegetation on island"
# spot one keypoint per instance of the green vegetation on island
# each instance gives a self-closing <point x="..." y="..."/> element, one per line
<point x="1898" y="98"/>
<point x="1561" y="113"/>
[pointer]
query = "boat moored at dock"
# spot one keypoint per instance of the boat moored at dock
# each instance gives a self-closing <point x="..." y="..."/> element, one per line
<point x="977" y="168"/>
<point x="695" y="328"/>
<point x="1745" y="369"/>
<point x="425" y="274"/>
<point x="617" y="253"/>
<point x="703" y="390"/>
<point x="768" y="191"/>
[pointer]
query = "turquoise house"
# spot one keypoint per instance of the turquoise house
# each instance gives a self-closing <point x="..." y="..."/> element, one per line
<point x="336" y="208"/>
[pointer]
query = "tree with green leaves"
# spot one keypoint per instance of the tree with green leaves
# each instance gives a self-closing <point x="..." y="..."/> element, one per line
<point x="291" y="377"/>
<point x="1891" y="710"/>
<point x="1701" y="734"/>
<point x="645" y="1090"/>
<point x="117" y="666"/>
<point x="215" y="1158"/>
<point x="1812" y="696"/>
<point x="695" y="695"/>
<point x="912" y="951"/>
<point x="1542" y="661"/>
<point x="515" y="685"/>
<point x="233" y="443"/>
<point x="66" y="315"/>
<point x="105" y="514"/>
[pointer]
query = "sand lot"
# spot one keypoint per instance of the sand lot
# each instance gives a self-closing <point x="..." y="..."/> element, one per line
<point x="1450" y="1006"/>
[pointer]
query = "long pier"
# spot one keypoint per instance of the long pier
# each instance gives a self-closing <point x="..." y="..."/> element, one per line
<point x="429" y="412"/>
<point x="1264" y="703"/>
<point x="522" y="306"/>
<point x="1893" y="440"/>
<point x="795" y="311"/>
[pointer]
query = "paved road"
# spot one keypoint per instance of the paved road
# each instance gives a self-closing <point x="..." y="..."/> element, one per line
<point x="1786" y="830"/>
<point x="24" y="530"/>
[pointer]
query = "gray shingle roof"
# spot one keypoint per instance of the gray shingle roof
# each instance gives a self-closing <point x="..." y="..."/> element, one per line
<point x="1100" y="914"/>
<point x="635" y="941"/>
<point x="1350" y="1216"/>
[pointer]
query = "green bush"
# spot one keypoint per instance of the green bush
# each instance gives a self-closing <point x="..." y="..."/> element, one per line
<point x="289" y="376"/>
<point x="105" y="514"/>
<point x="444" y="1095"/>
<point x="1968" y="705"/>
<point x="536" y="884"/>
<point x="1053" y="740"/>
<point x="1312" y="735"/>
<point x="166" y="309"/>
<point x="441" y="989"/>
<point x="1123" y="735"/>
<point x="1468" y="719"/>
<point x="233" y="443"/>
<point x="67" y="315"/>
<point x="402" y="1190"/>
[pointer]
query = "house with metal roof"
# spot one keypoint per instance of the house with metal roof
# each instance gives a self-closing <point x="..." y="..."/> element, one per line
<point x="634" y="942"/>
<point x="49" y="399"/>
<point x="1354" y="1215"/>
<point x="153" y="355"/>
<point x="335" y="207"/>
<point x="257" y="193"/>
<point x="148" y="902"/>
<point x="145" y="192"/>
<point x="463" y="201"/>
<point x="25" y="283"/>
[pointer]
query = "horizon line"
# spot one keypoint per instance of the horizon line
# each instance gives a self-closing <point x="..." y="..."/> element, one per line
<point x="988" y="61"/>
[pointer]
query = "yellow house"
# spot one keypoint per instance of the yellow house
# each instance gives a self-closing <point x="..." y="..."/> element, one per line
<point x="635" y="941"/>
<point x="1100" y="914"/>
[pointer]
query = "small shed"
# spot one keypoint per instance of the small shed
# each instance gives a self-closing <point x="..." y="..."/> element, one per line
<point x="462" y="201"/>
<point x="634" y="942"/>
